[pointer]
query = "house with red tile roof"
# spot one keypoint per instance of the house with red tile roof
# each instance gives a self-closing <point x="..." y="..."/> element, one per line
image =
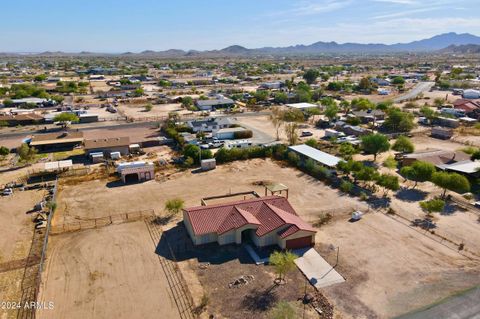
<point x="263" y="221"/>
<point x="468" y="106"/>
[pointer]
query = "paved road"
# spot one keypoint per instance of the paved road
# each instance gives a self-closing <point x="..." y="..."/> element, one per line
<point x="419" y="88"/>
<point x="463" y="306"/>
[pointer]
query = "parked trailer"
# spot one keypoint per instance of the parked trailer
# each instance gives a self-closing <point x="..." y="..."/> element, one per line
<point x="208" y="164"/>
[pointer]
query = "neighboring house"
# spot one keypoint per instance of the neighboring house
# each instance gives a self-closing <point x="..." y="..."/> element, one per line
<point x="107" y="145"/>
<point x="369" y="115"/>
<point x="435" y="157"/>
<point x="56" y="141"/>
<point x="264" y="221"/>
<point x="471" y="108"/>
<point x="210" y="124"/>
<point x="307" y="152"/>
<point x="21" y="119"/>
<point x="380" y="81"/>
<point x="353" y="130"/>
<point x="208" y="105"/>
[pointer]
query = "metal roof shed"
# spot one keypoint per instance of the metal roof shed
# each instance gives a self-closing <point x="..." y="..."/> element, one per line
<point x="316" y="155"/>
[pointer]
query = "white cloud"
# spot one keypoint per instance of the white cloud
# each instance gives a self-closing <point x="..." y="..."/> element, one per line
<point x="312" y="7"/>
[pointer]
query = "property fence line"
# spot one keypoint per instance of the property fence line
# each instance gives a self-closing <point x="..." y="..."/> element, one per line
<point x="99" y="222"/>
<point x="177" y="284"/>
<point x="32" y="274"/>
<point x="440" y="236"/>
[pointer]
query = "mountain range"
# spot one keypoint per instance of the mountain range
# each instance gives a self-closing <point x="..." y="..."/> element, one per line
<point x="443" y="43"/>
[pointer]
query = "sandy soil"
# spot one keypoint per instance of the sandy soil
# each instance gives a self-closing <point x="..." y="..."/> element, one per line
<point x="84" y="281"/>
<point x="95" y="198"/>
<point x="390" y="268"/>
<point x="17" y="227"/>
<point x="138" y="111"/>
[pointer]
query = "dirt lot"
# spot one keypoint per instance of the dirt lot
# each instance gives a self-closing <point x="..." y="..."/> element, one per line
<point x="17" y="227"/>
<point x="101" y="198"/>
<point x="390" y="267"/>
<point x="16" y="232"/>
<point x="126" y="282"/>
<point x="138" y="111"/>
<point x="217" y="267"/>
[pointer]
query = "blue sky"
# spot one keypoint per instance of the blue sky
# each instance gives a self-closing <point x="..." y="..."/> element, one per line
<point x="136" y="25"/>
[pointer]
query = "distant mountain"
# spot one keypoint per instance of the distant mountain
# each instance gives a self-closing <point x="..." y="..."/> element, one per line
<point x="438" y="42"/>
<point x="433" y="44"/>
<point x="462" y="49"/>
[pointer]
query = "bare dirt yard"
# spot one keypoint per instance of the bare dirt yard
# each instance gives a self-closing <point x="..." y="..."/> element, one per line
<point x="16" y="236"/>
<point x="137" y="111"/>
<point x="390" y="268"/>
<point x="111" y="272"/>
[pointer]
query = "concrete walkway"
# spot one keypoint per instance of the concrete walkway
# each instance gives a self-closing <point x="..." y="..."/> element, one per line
<point x="316" y="269"/>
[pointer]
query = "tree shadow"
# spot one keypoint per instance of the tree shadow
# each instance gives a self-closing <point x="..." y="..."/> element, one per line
<point x="450" y="209"/>
<point x="411" y="195"/>
<point x="260" y="300"/>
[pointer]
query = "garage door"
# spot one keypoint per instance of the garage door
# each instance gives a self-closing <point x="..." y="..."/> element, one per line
<point x="299" y="242"/>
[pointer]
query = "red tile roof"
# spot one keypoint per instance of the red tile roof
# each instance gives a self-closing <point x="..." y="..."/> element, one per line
<point x="466" y="105"/>
<point x="268" y="213"/>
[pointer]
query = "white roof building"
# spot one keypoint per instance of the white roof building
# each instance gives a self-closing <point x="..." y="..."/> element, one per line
<point x="316" y="155"/>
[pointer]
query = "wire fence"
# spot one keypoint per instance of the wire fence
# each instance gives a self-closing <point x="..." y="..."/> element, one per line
<point x="32" y="274"/>
<point x="115" y="219"/>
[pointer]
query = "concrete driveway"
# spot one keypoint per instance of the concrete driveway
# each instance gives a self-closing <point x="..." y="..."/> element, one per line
<point x="316" y="269"/>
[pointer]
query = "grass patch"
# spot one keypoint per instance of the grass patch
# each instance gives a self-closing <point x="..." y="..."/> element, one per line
<point x="58" y="156"/>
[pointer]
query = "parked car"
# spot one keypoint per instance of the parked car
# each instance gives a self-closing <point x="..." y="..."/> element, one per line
<point x="306" y="133"/>
<point x="7" y="192"/>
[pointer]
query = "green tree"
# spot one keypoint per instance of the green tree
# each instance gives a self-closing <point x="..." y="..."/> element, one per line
<point x="57" y="98"/>
<point x="346" y="187"/>
<point x="451" y="181"/>
<point x="399" y="121"/>
<point x="4" y="151"/>
<point x="418" y="172"/>
<point x="174" y="206"/>
<point x="311" y="142"/>
<point x="310" y="76"/>
<point x="26" y="153"/>
<point x="388" y="182"/>
<point x="403" y="144"/>
<point x="293" y="115"/>
<point x="187" y="101"/>
<point x="375" y="144"/>
<point x="347" y="150"/>
<point x="331" y="112"/>
<point x="398" y="80"/>
<point x="291" y="132"/>
<point x="282" y="310"/>
<point x="433" y="205"/>
<point x="261" y="95"/>
<point x="427" y="112"/>
<point x="365" y="84"/>
<point x="148" y="107"/>
<point x="65" y="118"/>
<point x="390" y="162"/>
<point x="281" y="97"/>
<point x="283" y="262"/>
<point x="276" y="117"/>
